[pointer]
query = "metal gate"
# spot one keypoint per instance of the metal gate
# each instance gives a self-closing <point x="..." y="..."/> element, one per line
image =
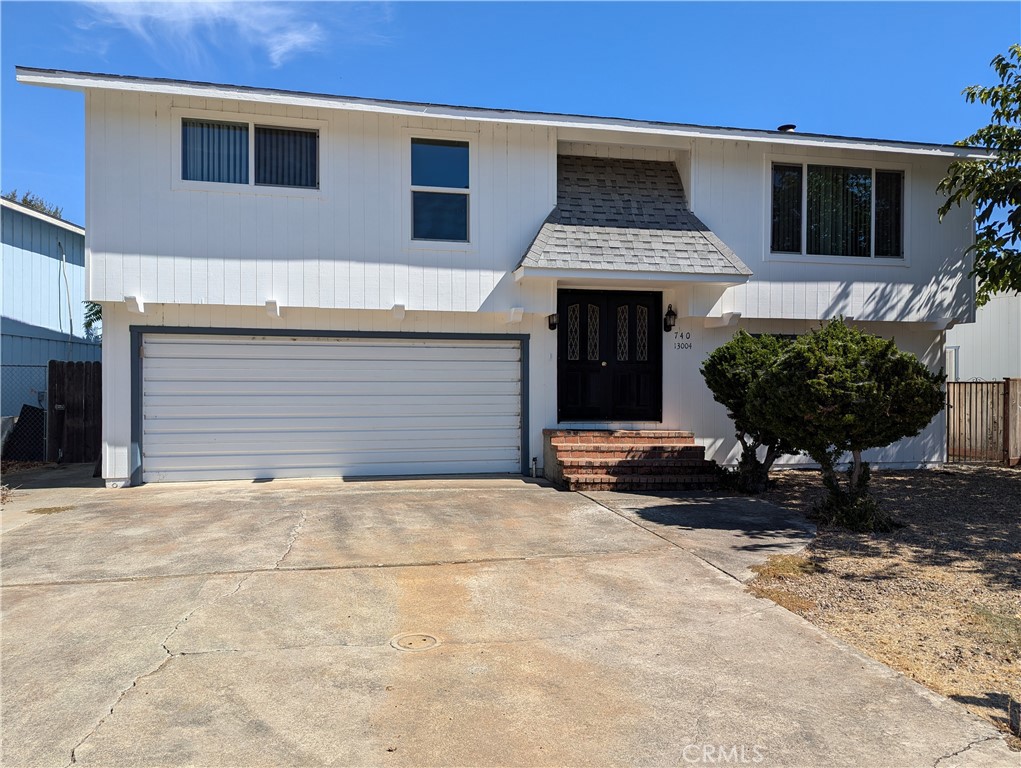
<point x="977" y="423"/>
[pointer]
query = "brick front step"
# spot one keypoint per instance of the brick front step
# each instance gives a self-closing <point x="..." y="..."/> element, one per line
<point x="635" y="466"/>
<point x="626" y="460"/>
<point x="564" y="437"/>
<point x="575" y="482"/>
<point x="622" y="451"/>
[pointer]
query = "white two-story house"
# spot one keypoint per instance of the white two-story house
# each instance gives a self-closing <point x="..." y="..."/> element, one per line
<point x="299" y="284"/>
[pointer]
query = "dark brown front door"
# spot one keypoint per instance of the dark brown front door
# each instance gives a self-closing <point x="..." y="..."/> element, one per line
<point x="609" y="356"/>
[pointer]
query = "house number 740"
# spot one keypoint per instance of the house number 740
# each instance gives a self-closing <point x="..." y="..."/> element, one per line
<point x="682" y="339"/>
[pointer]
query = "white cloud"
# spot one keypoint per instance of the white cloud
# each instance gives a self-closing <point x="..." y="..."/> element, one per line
<point x="279" y="30"/>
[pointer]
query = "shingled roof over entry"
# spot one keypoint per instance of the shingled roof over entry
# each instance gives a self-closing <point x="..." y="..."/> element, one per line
<point x="627" y="216"/>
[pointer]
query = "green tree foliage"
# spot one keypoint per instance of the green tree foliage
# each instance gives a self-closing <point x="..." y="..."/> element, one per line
<point x="729" y="372"/>
<point x="93" y="320"/>
<point x="993" y="184"/>
<point x="36" y="203"/>
<point x="839" y="390"/>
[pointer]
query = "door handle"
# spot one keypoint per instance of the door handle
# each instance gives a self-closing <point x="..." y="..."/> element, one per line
<point x="603" y="363"/>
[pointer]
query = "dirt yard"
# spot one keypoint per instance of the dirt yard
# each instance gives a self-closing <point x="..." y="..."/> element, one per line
<point x="939" y="599"/>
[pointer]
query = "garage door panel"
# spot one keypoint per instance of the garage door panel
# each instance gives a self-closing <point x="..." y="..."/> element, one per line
<point x="249" y="407"/>
<point x="313" y="408"/>
<point x="358" y="433"/>
<point x="300" y="350"/>
<point x="474" y="467"/>
<point x="239" y="453"/>
<point x="312" y="370"/>
<point x="409" y="389"/>
<point x="347" y="461"/>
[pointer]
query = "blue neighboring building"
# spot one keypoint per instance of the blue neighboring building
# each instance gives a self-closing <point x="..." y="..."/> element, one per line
<point x="42" y="310"/>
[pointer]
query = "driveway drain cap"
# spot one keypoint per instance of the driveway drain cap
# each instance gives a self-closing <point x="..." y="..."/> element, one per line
<point x="415" y="641"/>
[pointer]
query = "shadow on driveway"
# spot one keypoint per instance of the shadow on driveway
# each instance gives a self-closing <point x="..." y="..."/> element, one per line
<point x="730" y="533"/>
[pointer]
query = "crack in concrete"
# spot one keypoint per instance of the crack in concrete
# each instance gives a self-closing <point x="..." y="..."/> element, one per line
<point x="964" y="749"/>
<point x="351" y="567"/>
<point x="293" y="537"/>
<point x="170" y="655"/>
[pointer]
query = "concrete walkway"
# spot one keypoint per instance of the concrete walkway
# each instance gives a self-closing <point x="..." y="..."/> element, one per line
<point x="260" y="624"/>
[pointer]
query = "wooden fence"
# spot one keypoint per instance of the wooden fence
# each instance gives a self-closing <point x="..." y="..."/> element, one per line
<point x="984" y="422"/>
<point x="74" y="423"/>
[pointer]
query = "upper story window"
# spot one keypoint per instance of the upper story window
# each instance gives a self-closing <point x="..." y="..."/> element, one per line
<point x="214" y="151"/>
<point x="440" y="190"/>
<point x="827" y="210"/>
<point x="220" y="151"/>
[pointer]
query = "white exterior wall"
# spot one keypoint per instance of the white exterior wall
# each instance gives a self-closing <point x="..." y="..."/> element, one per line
<point x="989" y="348"/>
<point x="339" y="259"/>
<point x="117" y="354"/>
<point x="730" y="192"/>
<point x="345" y="246"/>
<point x="687" y="403"/>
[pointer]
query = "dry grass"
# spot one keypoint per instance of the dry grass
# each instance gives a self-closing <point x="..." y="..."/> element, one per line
<point x="6" y="494"/>
<point x="14" y="467"/>
<point x="938" y="599"/>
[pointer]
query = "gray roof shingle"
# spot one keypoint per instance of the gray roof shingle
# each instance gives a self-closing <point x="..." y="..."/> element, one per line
<point x="626" y="215"/>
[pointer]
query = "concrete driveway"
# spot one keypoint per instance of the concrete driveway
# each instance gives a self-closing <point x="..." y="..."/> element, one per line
<point x="258" y="624"/>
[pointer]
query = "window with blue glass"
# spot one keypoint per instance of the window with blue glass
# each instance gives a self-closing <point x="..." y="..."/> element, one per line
<point x="219" y="151"/>
<point x="285" y="157"/>
<point x="440" y="190"/>
<point x="214" y="151"/>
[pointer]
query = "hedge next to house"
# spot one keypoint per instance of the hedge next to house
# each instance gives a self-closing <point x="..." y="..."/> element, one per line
<point x="839" y="390"/>
<point x="729" y="372"/>
<point x="833" y="392"/>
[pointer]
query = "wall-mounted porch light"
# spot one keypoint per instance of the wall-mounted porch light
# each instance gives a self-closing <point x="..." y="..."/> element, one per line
<point x="552" y="321"/>
<point x="669" y="319"/>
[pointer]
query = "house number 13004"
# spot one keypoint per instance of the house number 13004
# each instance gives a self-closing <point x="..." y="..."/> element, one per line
<point x="682" y="339"/>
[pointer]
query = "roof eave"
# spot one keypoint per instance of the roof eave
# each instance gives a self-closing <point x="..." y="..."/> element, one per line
<point x="83" y="81"/>
<point x="526" y="272"/>
<point x="14" y="205"/>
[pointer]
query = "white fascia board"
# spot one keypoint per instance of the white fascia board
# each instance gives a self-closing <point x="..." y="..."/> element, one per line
<point x="82" y="81"/>
<point x="625" y="276"/>
<point x="41" y="216"/>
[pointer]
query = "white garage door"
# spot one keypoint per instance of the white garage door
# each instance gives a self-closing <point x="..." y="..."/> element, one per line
<point x="237" y="407"/>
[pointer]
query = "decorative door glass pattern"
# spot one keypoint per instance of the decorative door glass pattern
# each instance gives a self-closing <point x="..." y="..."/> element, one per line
<point x="622" y="333"/>
<point x="573" y="332"/>
<point x="642" y="341"/>
<point x="609" y="359"/>
<point x="593" y="332"/>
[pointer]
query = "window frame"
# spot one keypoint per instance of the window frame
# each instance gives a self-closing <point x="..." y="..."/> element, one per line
<point x="804" y="160"/>
<point x="253" y="121"/>
<point x="470" y="137"/>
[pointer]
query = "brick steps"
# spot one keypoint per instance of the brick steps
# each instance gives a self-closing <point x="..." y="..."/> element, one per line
<point x="626" y="460"/>
<point x="628" y="466"/>
<point x="563" y="437"/>
<point x="574" y="482"/>
<point x="623" y="452"/>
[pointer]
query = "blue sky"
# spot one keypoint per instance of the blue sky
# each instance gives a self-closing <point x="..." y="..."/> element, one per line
<point x="889" y="70"/>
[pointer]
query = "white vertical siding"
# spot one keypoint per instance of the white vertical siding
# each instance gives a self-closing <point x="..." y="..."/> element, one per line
<point x="990" y="348"/>
<point x="687" y="403"/>
<point x="731" y="194"/>
<point x="345" y="248"/>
